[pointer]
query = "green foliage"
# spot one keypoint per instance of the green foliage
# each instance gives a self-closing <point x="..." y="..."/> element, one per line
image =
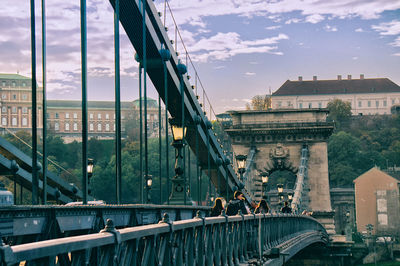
<point x="362" y="143"/>
<point x="339" y="111"/>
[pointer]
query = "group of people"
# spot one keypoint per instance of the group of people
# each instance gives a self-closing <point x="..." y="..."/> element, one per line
<point x="238" y="203"/>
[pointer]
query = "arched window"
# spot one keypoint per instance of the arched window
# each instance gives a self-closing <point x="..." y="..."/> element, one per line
<point x="107" y="127"/>
<point x="14" y="121"/>
<point x="56" y="126"/>
<point x="91" y="127"/>
<point x="75" y="126"/>
<point x="4" y="121"/>
<point x="99" y="127"/>
<point x="66" y="126"/>
<point x="24" y="121"/>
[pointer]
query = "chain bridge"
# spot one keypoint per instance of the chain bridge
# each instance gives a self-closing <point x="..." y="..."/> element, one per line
<point x="178" y="231"/>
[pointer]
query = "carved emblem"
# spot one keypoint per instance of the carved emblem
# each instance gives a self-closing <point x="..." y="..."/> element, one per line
<point x="279" y="160"/>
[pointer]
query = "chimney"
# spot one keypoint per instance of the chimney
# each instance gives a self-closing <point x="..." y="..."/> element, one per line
<point x="314" y="78"/>
<point x="349" y="77"/>
<point x="300" y="78"/>
<point x="339" y="77"/>
<point x="361" y="76"/>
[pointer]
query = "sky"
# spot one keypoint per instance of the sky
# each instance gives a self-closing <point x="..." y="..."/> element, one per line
<point x="239" y="48"/>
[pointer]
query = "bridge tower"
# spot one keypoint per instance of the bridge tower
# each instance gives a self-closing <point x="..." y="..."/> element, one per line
<point x="274" y="140"/>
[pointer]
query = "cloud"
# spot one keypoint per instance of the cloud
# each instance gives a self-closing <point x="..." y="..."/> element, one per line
<point x="396" y="42"/>
<point x="315" y="18"/>
<point x="354" y="58"/>
<point x="226" y="45"/>
<point x="330" y="28"/>
<point x="396" y="54"/>
<point x="292" y="20"/>
<point x="388" y="28"/>
<point x="273" y="27"/>
<point x="250" y="74"/>
<point x="219" y="67"/>
<point x="359" y="30"/>
<point x="194" y="10"/>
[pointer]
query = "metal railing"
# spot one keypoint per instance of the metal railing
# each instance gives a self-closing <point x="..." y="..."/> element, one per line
<point x="218" y="240"/>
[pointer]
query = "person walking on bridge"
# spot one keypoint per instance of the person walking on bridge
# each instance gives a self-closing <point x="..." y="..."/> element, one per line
<point x="286" y="208"/>
<point x="262" y="207"/>
<point x="236" y="204"/>
<point x="216" y="210"/>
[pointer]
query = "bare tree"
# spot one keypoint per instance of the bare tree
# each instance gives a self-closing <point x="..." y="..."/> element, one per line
<point x="259" y="102"/>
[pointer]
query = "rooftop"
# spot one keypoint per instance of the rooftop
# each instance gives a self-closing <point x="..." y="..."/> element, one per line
<point x="339" y="86"/>
<point x="13" y="76"/>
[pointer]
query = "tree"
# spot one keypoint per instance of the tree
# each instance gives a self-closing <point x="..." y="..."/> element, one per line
<point x="339" y="111"/>
<point x="259" y="102"/>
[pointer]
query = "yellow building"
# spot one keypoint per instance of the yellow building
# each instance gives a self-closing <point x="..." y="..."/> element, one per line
<point x="64" y="117"/>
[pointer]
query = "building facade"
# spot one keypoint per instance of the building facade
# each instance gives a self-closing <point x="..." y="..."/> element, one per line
<point x="377" y="202"/>
<point x="366" y="96"/>
<point x="64" y="118"/>
<point x="16" y="102"/>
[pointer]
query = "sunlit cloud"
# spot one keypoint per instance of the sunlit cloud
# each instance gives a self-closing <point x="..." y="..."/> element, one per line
<point x="388" y="28"/>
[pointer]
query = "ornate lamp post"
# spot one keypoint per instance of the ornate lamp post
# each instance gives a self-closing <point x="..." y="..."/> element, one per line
<point x="241" y="164"/>
<point x="264" y="177"/>
<point x="14" y="170"/>
<point x="280" y="193"/>
<point x="90" y="166"/>
<point x="149" y="183"/>
<point x="177" y="196"/>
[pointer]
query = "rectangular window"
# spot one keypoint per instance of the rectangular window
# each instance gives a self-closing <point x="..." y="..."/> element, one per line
<point x="289" y="104"/>
<point x="4" y="109"/>
<point x="24" y="110"/>
<point x="56" y="116"/>
<point x="377" y="103"/>
<point x="4" y="96"/>
<point x="75" y="115"/>
<point x="24" y="97"/>
<point x="393" y="101"/>
<point x="98" y="116"/>
<point x="107" y="116"/>
<point x="279" y="104"/>
<point x="309" y="105"/>
<point x="359" y="104"/>
<point x="3" y="83"/>
<point x="91" y="116"/>
<point x="66" y="115"/>
<point x="14" y="96"/>
<point x="384" y="103"/>
<point x="300" y="105"/>
<point x="319" y="105"/>
<point x="369" y="103"/>
<point x="14" y="109"/>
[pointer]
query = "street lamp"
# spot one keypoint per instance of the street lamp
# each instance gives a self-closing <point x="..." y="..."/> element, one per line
<point x="14" y="170"/>
<point x="280" y="188"/>
<point x="264" y="178"/>
<point x="290" y="196"/>
<point x="280" y="193"/>
<point x="90" y="165"/>
<point x="89" y="169"/>
<point x="149" y="183"/>
<point x="241" y="164"/>
<point x="178" y="195"/>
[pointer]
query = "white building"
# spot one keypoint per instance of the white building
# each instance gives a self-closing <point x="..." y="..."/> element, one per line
<point x="366" y="96"/>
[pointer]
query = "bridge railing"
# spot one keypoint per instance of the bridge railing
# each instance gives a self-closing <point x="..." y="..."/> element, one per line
<point x="199" y="241"/>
